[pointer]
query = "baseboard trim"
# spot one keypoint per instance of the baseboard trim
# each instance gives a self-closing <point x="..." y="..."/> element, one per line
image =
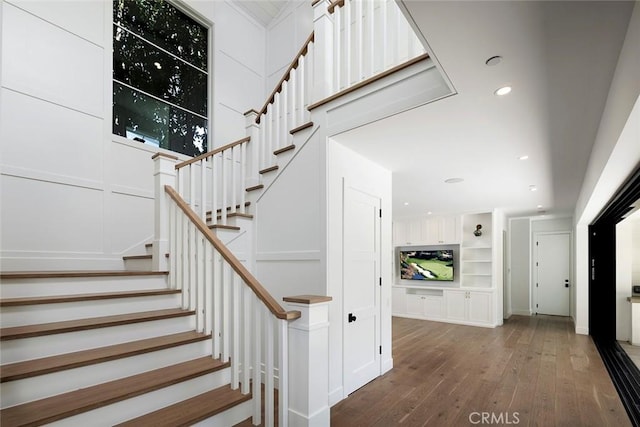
<point x="336" y="396"/>
<point x="521" y="312"/>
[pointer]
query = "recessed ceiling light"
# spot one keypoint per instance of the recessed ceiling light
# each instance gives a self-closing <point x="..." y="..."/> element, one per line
<point x="453" y="180"/>
<point x="494" y="60"/>
<point x="503" y="90"/>
<point x="158" y="66"/>
<point x="406" y="203"/>
<point x="429" y="213"/>
<point x="533" y="188"/>
<point x="539" y="206"/>
<point x="525" y="157"/>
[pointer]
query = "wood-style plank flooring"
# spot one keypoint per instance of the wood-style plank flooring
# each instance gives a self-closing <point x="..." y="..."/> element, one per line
<point x="532" y="371"/>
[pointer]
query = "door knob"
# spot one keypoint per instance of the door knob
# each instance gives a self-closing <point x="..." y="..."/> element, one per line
<point x="352" y="318"/>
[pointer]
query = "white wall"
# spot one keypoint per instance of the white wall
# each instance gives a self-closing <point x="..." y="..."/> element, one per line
<point x="615" y="154"/>
<point x="74" y="195"/>
<point x="345" y="164"/>
<point x="285" y="36"/>
<point x="635" y="252"/>
<point x="520" y="265"/>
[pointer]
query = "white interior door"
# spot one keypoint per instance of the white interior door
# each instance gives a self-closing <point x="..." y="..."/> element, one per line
<point x="553" y="267"/>
<point x="361" y="275"/>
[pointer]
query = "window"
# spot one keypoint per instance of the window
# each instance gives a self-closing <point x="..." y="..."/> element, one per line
<point x="160" y="76"/>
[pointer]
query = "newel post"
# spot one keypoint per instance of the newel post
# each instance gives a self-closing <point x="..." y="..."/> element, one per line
<point x="323" y="51"/>
<point x="164" y="173"/>
<point x="309" y="361"/>
<point x="253" y="153"/>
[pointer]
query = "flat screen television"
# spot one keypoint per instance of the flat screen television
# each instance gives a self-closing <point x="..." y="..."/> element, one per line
<point x="427" y="265"/>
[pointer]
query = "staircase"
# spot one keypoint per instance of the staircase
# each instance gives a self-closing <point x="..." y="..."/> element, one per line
<point x="103" y="348"/>
<point x="181" y="335"/>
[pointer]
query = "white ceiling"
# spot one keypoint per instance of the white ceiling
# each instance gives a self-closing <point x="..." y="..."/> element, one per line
<point x="262" y="10"/>
<point x="558" y="56"/>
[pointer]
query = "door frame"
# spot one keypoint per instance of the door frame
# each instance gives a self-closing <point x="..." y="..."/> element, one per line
<point x="345" y="184"/>
<point x="534" y="269"/>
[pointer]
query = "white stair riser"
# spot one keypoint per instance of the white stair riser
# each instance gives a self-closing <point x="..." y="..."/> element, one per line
<point x="28" y="389"/>
<point x="149" y="402"/>
<point x="46" y="313"/>
<point x="37" y="347"/>
<point x="16" y="288"/>
<point x="138" y="264"/>
<point x="229" y="417"/>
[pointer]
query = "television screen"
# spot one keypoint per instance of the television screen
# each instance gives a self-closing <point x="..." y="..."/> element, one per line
<point x="427" y="265"/>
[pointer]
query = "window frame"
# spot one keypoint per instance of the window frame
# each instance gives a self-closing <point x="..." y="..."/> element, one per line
<point x="198" y="17"/>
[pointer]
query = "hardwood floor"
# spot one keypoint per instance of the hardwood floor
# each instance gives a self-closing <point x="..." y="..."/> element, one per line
<point x="533" y="371"/>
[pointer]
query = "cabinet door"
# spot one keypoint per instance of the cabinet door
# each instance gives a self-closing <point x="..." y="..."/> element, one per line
<point x="398" y="301"/>
<point x="456" y="302"/>
<point x="433" y="307"/>
<point x="450" y="229"/>
<point x="415" y="305"/>
<point x="479" y="307"/>
<point x="415" y="234"/>
<point x="399" y="233"/>
<point x="432" y="231"/>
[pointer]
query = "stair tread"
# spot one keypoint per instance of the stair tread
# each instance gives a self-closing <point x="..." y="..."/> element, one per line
<point x="284" y="149"/>
<point x="269" y="169"/>
<point x="135" y="257"/>
<point x="76" y="273"/>
<point x="52" y="299"/>
<point x="232" y="215"/>
<point x="46" y="365"/>
<point x="82" y="400"/>
<point x="255" y="187"/>
<point x="41" y="329"/>
<point x="301" y="127"/>
<point x="224" y="227"/>
<point x="192" y="410"/>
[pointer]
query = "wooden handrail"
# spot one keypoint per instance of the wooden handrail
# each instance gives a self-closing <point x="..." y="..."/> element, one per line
<point x="294" y="65"/>
<point x="368" y="81"/>
<point x="212" y="152"/>
<point x="334" y="4"/>
<point x="237" y="266"/>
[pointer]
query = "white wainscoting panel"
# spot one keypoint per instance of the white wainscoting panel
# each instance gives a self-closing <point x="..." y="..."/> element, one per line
<point x="39" y="216"/>
<point x="47" y="62"/>
<point x="49" y="138"/>
<point x="130" y="220"/>
<point x="130" y="169"/>
<point x="81" y="17"/>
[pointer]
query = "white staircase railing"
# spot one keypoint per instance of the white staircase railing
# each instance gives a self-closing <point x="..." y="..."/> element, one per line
<point x="244" y="320"/>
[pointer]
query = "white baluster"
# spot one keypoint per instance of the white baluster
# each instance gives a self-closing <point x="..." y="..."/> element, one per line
<point x="309" y="79"/>
<point x="269" y="400"/>
<point x="257" y="360"/>
<point x="223" y="188"/>
<point x="235" y="160"/>
<point x="337" y="48"/>
<point x="208" y="288"/>
<point x="283" y="373"/>
<point x="243" y="174"/>
<point x="348" y="60"/>
<point x="359" y="42"/>
<point x="173" y="246"/>
<point x="383" y="44"/>
<point x="302" y="101"/>
<point x="246" y="342"/>
<point x="269" y="141"/>
<point x="277" y="125"/>
<point x="186" y="285"/>
<point x="226" y="310"/>
<point x="284" y="127"/>
<point x="371" y="46"/>
<point x="214" y="190"/>
<point x="203" y="189"/>
<point x="217" y="303"/>
<point x="235" y="336"/>
<point x="252" y="166"/>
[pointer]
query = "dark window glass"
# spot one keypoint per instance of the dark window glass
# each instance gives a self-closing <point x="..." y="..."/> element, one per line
<point x="164" y="25"/>
<point x="139" y="64"/>
<point x="160" y="81"/>
<point x="145" y="119"/>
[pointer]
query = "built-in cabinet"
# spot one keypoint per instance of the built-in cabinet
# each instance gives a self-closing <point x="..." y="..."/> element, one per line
<point x="470" y="299"/>
<point x="427" y="231"/>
